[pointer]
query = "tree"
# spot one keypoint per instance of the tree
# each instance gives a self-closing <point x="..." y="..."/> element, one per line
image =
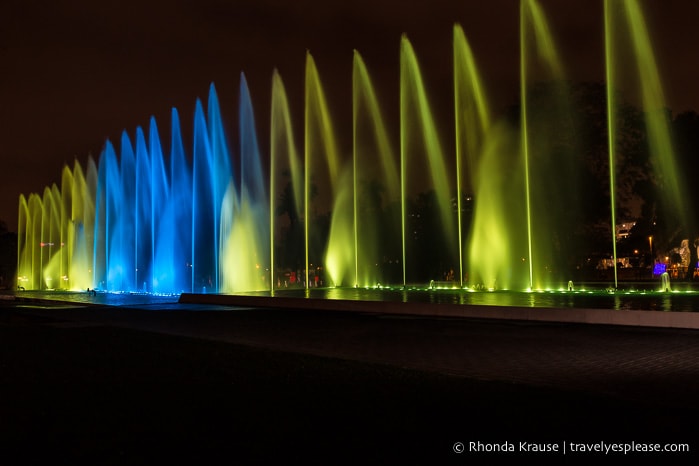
<point x="291" y="247"/>
<point x="568" y="154"/>
<point x="8" y="256"/>
<point x="685" y="127"/>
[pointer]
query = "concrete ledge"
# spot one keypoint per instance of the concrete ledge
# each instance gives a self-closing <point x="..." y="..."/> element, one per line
<point x="689" y="320"/>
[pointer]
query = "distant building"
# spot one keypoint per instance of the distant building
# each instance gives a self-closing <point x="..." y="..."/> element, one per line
<point x="623" y="230"/>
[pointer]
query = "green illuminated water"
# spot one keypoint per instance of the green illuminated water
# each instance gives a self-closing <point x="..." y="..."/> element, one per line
<point x="550" y="180"/>
<point x="627" y="37"/>
<point x="421" y="144"/>
<point x="611" y="126"/>
<point x="323" y="162"/>
<point x="657" y="117"/>
<point x="55" y="233"/>
<point x="525" y="136"/>
<point x="376" y="181"/>
<point x="283" y="152"/>
<point x="472" y="125"/>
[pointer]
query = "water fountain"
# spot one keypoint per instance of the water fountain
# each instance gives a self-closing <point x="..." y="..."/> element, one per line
<point x="139" y="220"/>
<point x="665" y="282"/>
<point x="375" y="164"/>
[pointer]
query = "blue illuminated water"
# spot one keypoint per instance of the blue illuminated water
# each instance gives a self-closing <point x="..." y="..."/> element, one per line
<point x="161" y="230"/>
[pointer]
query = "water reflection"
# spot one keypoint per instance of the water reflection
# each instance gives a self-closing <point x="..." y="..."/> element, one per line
<point x="584" y="299"/>
<point x="685" y="301"/>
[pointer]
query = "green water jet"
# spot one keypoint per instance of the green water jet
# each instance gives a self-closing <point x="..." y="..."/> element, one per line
<point x="610" y="127"/>
<point x="373" y="162"/>
<point x="283" y="149"/>
<point x="535" y="36"/>
<point x="416" y="120"/>
<point x="627" y="18"/>
<point x="472" y="124"/>
<point x="320" y="151"/>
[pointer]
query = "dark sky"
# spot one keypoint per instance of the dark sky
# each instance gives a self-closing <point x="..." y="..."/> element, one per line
<point x="74" y="73"/>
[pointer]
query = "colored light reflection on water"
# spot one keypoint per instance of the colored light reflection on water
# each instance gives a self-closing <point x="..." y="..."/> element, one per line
<point x="645" y="299"/>
<point x="642" y="296"/>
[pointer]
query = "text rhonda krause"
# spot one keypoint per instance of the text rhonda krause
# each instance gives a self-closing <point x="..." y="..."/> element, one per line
<point x="575" y="447"/>
<point x="513" y="447"/>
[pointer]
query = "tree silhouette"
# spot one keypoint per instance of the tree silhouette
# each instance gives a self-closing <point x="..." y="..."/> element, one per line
<point x="8" y="256"/>
<point x="291" y="248"/>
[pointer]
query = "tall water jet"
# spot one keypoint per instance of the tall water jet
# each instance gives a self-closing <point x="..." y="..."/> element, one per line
<point x="253" y="189"/>
<point x="38" y="236"/>
<point x="611" y="127"/>
<point x="55" y="262"/>
<point x="180" y="213"/>
<point x="549" y="149"/>
<point x="65" y="202"/>
<point x="498" y="238"/>
<point x="81" y="226"/>
<point x="50" y="236"/>
<point x="164" y="266"/>
<point x="472" y="126"/>
<point x="114" y="250"/>
<point x="376" y="185"/>
<point x="658" y="122"/>
<point x="284" y="153"/>
<point x="418" y="134"/>
<point x="105" y="198"/>
<point x="625" y="21"/>
<point x="125" y="246"/>
<point x="36" y="241"/>
<point x="244" y="212"/>
<point x="210" y="184"/>
<point x="143" y="215"/>
<point x="322" y="155"/>
<point x="24" y="239"/>
<point x="45" y="226"/>
<point x="204" y="223"/>
<point x="222" y="177"/>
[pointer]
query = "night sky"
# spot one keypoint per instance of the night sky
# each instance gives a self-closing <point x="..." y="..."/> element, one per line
<point x="74" y="73"/>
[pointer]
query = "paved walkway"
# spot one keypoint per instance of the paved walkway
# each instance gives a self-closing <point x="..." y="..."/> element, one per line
<point x="110" y="385"/>
<point x="658" y="366"/>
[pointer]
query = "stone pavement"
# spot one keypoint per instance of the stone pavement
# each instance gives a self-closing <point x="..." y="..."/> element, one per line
<point x="659" y="366"/>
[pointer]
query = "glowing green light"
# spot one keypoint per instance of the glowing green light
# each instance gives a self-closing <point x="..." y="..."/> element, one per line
<point x="371" y="144"/>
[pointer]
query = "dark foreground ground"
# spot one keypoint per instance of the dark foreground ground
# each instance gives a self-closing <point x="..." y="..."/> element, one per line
<point x="107" y="391"/>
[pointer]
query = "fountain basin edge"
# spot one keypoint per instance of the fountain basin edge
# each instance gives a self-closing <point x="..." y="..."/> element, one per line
<point x="636" y="318"/>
